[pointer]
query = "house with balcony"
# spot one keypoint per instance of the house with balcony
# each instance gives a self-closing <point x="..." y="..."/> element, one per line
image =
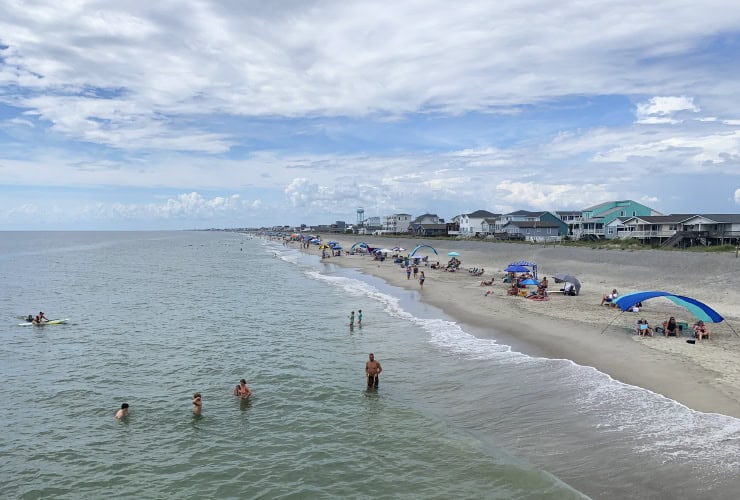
<point x="527" y="216"/>
<point x="681" y="229"/>
<point x="596" y="219"/>
<point x="397" y="223"/>
<point x="533" y="230"/>
<point x="471" y="225"/>
<point x="572" y="218"/>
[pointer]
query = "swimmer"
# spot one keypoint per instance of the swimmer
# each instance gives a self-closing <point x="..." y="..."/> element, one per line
<point x="242" y="390"/>
<point x="122" y="412"/>
<point x="197" y="403"/>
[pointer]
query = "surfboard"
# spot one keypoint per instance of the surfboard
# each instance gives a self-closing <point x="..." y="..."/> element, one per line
<point x="51" y="322"/>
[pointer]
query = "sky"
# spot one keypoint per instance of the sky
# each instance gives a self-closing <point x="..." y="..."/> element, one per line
<point x="143" y="115"/>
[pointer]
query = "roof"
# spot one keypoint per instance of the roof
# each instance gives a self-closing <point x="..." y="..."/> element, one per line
<point x="726" y="218"/>
<point x="568" y="212"/>
<point x="432" y="226"/>
<point x="532" y="223"/>
<point x="526" y="213"/>
<point x="599" y="205"/>
<point x="479" y="214"/>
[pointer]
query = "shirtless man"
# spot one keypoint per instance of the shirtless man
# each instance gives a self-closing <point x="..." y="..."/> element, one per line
<point x="372" y="370"/>
<point x="242" y="390"/>
<point x="197" y="403"/>
<point x="122" y="412"/>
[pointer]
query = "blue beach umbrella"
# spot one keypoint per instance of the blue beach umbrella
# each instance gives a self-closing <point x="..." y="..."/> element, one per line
<point x="529" y="281"/>
<point x="453" y="254"/>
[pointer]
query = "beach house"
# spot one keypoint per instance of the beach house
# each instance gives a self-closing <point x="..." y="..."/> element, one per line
<point x="537" y="218"/>
<point x="397" y="223"/>
<point x="681" y="229"/>
<point x="595" y="223"/>
<point x="471" y="224"/>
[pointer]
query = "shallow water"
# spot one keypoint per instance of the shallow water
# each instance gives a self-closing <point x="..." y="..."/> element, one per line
<point x="455" y="416"/>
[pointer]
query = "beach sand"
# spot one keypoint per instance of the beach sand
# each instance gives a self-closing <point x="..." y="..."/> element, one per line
<point x="704" y="376"/>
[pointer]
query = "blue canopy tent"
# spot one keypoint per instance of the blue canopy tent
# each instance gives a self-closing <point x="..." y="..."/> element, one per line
<point x="698" y="309"/>
<point x="527" y="264"/>
<point x="360" y="244"/>
<point x="418" y="247"/>
<point x="516" y="269"/>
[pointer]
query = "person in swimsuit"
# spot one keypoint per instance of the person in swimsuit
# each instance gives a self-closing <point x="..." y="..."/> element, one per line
<point x="42" y="317"/>
<point x="352" y="319"/>
<point x="421" y="279"/>
<point x="242" y="390"/>
<point x="197" y="403"/>
<point x="359" y="317"/>
<point x="372" y="370"/>
<point x="671" y="327"/>
<point x="122" y="412"/>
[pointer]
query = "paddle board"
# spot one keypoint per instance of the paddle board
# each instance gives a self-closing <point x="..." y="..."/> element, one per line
<point x="52" y="322"/>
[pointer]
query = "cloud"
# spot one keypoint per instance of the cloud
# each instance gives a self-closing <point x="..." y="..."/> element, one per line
<point x="661" y="109"/>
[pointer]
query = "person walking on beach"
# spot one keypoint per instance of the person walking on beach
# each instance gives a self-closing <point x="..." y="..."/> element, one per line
<point x="421" y="279"/>
<point x="352" y="319"/>
<point x="359" y="317"/>
<point x="122" y="412"/>
<point x="416" y="270"/>
<point x="408" y="272"/>
<point x="197" y="403"/>
<point x="372" y="371"/>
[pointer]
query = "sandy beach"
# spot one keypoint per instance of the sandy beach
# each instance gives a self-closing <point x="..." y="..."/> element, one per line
<point x="704" y="376"/>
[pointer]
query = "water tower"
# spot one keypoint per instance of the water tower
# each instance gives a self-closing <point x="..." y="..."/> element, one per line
<point x="360" y="216"/>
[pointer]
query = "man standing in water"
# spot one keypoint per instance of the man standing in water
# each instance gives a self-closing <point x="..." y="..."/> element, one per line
<point x="197" y="403"/>
<point x="359" y="317"/>
<point x="352" y="319"/>
<point x="372" y="370"/>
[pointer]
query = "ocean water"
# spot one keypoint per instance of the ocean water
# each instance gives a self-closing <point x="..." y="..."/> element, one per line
<point x="155" y="317"/>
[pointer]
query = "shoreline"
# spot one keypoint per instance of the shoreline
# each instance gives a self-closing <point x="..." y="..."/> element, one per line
<point x="703" y="376"/>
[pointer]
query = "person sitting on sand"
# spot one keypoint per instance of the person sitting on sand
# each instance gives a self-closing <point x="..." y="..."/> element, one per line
<point x="487" y="283"/>
<point x="670" y="327"/>
<point x="609" y="297"/>
<point x="514" y="290"/>
<point x="643" y="328"/>
<point x="701" y="331"/>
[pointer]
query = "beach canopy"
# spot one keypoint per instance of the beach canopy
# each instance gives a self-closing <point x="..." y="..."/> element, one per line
<point x="360" y="244"/>
<point x="516" y="269"/>
<point x="568" y="278"/>
<point x="453" y="254"/>
<point x="698" y="309"/>
<point x="419" y="247"/>
<point x="527" y="264"/>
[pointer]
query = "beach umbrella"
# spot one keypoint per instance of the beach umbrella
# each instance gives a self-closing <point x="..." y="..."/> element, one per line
<point x="516" y="269"/>
<point x="398" y="249"/>
<point x="529" y="281"/>
<point x="336" y="247"/>
<point x="568" y="278"/>
<point x="453" y="254"/>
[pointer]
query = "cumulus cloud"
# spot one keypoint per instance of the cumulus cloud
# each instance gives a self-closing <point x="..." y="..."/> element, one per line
<point x="662" y="109"/>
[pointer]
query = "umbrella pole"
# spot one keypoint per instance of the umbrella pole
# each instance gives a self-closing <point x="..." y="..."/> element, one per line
<point x="612" y="321"/>
<point x="733" y="330"/>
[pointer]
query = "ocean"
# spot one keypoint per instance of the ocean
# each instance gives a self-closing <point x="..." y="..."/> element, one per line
<point x="157" y="316"/>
